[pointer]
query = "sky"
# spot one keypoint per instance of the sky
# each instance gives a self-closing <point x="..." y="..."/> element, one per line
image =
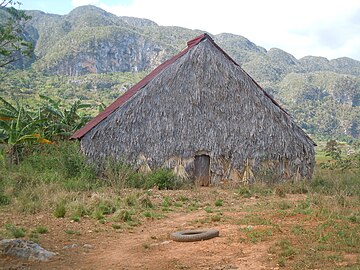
<point x="328" y="28"/>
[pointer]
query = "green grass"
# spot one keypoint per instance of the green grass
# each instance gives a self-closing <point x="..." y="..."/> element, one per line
<point x="123" y="215"/>
<point x="254" y="219"/>
<point x="60" y="210"/>
<point x="41" y="230"/>
<point x="153" y="215"/>
<point x="75" y="218"/>
<point x="116" y="226"/>
<point x="255" y="235"/>
<point x="15" y="231"/>
<point x="219" y="202"/>
<point x="75" y="232"/>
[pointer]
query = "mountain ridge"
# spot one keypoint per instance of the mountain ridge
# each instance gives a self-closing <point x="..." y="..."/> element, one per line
<point x="239" y="47"/>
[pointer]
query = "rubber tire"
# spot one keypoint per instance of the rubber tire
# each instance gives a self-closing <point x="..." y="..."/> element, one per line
<point x="194" y="235"/>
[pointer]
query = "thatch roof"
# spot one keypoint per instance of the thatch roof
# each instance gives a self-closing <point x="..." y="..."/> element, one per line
<point x="201" y="102"/>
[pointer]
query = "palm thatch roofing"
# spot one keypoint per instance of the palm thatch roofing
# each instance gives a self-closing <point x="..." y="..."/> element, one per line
<point x="201" y="102"/>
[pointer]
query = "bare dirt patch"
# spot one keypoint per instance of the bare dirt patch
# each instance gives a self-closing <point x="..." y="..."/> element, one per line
<point x="244" y="243"/>
<point x="147" y="247"/>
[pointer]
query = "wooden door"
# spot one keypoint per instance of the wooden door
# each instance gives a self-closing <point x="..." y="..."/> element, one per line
<point x="202" y="170"/>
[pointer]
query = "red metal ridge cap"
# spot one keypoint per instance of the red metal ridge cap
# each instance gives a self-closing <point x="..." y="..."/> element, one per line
<point x="198" y="39"/>
<point x="133" y="90"/>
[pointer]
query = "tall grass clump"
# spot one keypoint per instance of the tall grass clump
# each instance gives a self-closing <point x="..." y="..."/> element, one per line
<point x="335" y="182"/>
<point x="45" y="171"/>
<point x="61" y="163"/>
<point x="121" y="175"/>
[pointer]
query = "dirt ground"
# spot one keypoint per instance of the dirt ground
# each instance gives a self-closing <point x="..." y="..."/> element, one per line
<point x="148" y="246"/>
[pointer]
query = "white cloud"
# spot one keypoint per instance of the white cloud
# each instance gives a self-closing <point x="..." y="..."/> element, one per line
<point x="323" y="27"/>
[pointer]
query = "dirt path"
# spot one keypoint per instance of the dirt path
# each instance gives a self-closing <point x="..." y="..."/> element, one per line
<point x="255" y="233"/>
<point x="149" y="247"/>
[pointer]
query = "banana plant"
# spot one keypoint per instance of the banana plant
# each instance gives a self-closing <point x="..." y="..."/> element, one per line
<point x="18" y="127"/>
<point x="50" y="121"/>
<point x="63" y="122"/>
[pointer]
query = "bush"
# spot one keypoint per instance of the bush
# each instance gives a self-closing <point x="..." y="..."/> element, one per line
<point x="55" y="163"/>
<point x="162" y="179"/>
<point x="121" y="175"/>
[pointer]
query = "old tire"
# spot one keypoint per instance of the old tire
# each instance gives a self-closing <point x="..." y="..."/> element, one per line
<point x="194" y="235"/>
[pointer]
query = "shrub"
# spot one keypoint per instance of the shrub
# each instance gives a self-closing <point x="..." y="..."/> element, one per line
<point x="119" y="175"/>
<point x="61" y="163"/>
<point x="162" y="179"/>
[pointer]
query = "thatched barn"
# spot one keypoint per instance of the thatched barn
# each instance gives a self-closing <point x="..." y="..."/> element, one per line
<point x="201" y="114"/>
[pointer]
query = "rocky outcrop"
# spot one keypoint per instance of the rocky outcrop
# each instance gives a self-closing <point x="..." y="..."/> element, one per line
<point x="130" y="53"/>
<point x="24" y="249"/>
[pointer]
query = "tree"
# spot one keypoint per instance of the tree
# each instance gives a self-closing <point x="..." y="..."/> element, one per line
<point x="12" y="43"/>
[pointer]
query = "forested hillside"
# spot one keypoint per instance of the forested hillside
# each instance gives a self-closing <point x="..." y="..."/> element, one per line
<point x="95" y="56"/>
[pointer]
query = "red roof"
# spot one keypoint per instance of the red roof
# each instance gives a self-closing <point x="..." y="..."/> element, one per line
<point x="128" y="94"/>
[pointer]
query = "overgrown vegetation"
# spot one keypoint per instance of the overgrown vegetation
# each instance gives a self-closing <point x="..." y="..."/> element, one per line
<point x="48" y="122"/>
<point x="91" y="88"/>
<point x="60" y="168"/>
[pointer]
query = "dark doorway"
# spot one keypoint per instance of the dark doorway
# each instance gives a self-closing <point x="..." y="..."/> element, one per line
<point x="202" y="170"/>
